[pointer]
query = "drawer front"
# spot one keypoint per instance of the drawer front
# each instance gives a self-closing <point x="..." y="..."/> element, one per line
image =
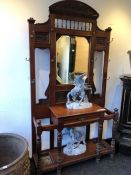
<point x="79" y="120"/>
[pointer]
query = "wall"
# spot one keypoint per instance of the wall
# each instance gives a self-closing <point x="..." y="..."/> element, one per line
<point x="15" y="113"/>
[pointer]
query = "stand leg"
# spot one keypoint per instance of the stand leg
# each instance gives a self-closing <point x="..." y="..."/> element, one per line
<point x="39" y="132"/>
<point x="114" y="128"/>
<point x="51" y="138"/>
<point x="59" y="158"/>
<point x="98" y="146"/>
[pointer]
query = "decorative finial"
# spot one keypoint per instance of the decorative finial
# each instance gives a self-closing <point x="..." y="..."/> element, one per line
<point x="31" y="20"/>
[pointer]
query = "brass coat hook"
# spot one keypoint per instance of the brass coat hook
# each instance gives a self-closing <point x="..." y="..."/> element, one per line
<point x="108" y="78"/>
<point x="27" y="59"/>
<point x="110" y="41"/>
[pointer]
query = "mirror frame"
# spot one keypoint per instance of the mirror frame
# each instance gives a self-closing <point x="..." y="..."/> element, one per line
<point x="75" y="52"/>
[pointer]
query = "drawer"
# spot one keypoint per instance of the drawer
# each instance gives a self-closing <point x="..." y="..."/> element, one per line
<point x="79" y="120"/>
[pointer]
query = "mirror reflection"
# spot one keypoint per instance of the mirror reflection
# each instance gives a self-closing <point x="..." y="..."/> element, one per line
<point x="71" y="58"/>
<point x="98" y="70"/>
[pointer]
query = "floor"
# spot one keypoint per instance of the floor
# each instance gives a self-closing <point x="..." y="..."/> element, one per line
<point x="120" y="165"/>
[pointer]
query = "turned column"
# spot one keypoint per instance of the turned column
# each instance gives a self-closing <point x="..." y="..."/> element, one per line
<point x="59" y="156"/>
<point x="98" y="146"/>
<point x="38" y="142"/>
<point x="114" y="129"/>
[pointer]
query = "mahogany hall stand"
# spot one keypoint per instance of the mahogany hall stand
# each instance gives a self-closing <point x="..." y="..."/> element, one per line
<point x="72" y="19"/>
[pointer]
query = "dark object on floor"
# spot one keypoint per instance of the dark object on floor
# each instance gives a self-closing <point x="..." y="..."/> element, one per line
<point x="124" y="127"/>
<point x="14" y="158"/>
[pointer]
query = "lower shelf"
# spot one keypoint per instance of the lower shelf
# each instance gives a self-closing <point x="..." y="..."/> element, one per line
<point x="48" y="159"/>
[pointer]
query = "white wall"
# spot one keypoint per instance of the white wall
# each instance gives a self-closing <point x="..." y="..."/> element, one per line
<point x="15" y="115"/>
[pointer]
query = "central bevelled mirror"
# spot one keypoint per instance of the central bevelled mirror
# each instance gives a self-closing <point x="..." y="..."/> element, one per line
<point x="72" y="54"/>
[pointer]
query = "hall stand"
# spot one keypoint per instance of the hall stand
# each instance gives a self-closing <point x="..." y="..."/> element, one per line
<point x="73" y="19"/>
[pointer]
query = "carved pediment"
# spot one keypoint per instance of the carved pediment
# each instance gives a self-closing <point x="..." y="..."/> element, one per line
<point x="75" y="8"/>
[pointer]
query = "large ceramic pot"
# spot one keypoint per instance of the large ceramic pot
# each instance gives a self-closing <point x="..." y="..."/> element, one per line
<point x="14" y="157"/>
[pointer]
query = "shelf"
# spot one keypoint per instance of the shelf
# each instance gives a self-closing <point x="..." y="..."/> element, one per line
<point x="48" y="159"/>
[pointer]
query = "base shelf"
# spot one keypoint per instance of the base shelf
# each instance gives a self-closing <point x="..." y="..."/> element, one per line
<point x="48" y="159"/>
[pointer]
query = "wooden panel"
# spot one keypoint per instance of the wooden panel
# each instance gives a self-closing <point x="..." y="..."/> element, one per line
<point x="41" y="110"/>
<point x="73" y="8"/>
